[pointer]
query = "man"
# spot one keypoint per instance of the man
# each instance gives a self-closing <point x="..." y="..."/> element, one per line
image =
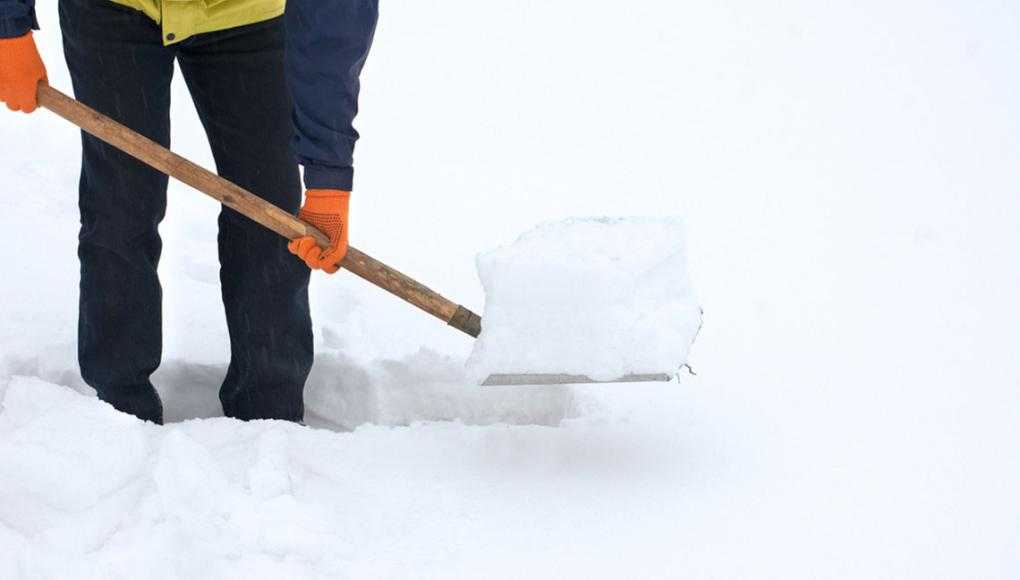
<point x="265" y="110"/>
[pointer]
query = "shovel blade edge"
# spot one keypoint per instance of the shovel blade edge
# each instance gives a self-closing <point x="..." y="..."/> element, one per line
<point x="520" y="380"/>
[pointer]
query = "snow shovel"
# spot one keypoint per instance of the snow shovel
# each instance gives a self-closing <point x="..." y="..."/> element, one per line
<point x="290" y="227"/>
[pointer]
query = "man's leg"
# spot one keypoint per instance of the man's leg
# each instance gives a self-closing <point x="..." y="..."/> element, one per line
<point x="119" y="67"/>
<point x="236" y="78"/>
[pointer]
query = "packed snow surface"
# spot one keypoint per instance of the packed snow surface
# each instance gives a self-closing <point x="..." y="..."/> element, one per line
<point x="602" y="297"/>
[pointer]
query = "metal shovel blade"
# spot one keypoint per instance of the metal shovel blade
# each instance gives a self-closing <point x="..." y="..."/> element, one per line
<point x="520" y="380"/>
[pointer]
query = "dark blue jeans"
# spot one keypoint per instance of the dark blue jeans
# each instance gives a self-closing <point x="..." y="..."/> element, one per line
<point x="120" y="67"/>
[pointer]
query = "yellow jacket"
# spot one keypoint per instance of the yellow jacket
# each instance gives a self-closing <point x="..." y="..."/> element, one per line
<point x="181" y="19"/>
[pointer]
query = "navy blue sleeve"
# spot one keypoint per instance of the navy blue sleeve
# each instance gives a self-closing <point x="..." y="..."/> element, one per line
<point x="327" y="45"/>
<point x="17" y="17"/>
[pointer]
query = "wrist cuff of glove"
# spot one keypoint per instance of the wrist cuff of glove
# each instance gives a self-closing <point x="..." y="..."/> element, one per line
<point x="24" y="56"/>
<point x="327" y="194"/>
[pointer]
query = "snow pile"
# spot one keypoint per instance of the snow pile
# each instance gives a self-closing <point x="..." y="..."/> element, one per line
<point x="91" y="493"/>
<point x="598" y="297"/>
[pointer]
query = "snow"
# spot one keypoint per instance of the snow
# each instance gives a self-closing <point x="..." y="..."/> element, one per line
<point x="848" y="176"/>
<point x="219" y="498"/>
<point x="602" y="298"/>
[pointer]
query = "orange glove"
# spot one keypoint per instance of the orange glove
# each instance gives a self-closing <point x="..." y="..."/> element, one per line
<point x="327" y="210"/>
<point x="21" y="70"/>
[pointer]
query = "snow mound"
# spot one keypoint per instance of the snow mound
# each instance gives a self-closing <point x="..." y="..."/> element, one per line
<point x="596" y="297"/>
<point x="92" y="493"/>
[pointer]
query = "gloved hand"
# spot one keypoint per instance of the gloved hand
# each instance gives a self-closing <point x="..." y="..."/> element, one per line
<point x="21" y="70"/>
<point x="327" y="210"/>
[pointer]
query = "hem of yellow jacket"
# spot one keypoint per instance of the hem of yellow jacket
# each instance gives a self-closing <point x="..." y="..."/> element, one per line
<point x="206" y="29"/>
<point x="203" y="29"/>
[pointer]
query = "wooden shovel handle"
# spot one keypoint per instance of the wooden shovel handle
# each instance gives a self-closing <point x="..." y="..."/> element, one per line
<point x="252" y="206"/>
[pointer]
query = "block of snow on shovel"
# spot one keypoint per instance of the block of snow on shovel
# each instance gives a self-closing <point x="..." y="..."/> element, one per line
<point x="587" y="300"/>
<point x="576" y="302"/>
